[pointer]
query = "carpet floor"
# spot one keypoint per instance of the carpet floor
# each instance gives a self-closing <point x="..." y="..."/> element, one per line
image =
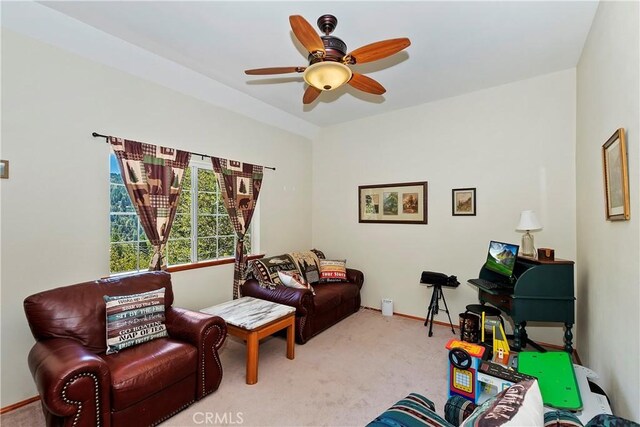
<point x="345" y="376"/>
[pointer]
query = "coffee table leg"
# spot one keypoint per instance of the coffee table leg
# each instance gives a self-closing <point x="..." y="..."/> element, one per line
<point x="252" y="357"/>
<point x="291" y="342"/>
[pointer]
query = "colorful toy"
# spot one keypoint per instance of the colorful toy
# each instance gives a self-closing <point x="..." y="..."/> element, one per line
<point x="464" y="359"/>
<point x="501" y="348"/>
<point x="473" y="378"/>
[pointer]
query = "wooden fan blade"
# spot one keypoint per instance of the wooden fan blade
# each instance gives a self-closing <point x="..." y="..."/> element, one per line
<point x="310" y="95"/>
<point x="305" y="33"/>
<point x="378" y="50"/>
<point x="366" y="84"/>
<point x="275" y="70"/>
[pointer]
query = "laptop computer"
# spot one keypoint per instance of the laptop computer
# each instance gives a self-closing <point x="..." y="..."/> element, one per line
<point x="501" y="259"/>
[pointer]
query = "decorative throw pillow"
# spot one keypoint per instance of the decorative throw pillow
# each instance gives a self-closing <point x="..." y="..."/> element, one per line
<point x="293" y="280"/>
<point x="333" y="270"/>
<point x="308" y="264"/>
<point x="520" y="405"/>
<point x="134" y="319"/>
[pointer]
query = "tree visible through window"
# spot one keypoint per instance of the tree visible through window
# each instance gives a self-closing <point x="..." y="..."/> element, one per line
<point x="201" y="230"/>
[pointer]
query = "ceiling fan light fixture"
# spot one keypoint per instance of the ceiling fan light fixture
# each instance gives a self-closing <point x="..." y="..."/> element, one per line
<point x="327" y="75"/>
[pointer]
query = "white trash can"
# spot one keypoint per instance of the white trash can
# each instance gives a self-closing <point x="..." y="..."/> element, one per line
<point x="387" y="307"/>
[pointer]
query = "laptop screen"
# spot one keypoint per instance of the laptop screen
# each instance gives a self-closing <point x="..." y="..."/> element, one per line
<point x="501" y="258"/>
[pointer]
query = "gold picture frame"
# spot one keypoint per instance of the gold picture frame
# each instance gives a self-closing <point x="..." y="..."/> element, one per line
<point x="404" y="203"/>
<point x="616" y="177"/>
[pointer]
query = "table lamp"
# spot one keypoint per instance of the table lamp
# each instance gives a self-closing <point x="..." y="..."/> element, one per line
<point x="528" y="222"/>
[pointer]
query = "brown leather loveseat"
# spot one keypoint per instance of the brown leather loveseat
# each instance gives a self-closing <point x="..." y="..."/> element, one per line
<point x="331" y="303"/>
<point x="145" y="384"/>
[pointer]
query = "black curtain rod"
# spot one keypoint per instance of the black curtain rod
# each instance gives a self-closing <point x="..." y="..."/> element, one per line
<point x="106" y="137"/>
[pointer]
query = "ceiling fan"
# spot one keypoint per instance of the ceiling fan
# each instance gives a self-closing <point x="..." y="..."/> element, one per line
<point x="328" y="59"/>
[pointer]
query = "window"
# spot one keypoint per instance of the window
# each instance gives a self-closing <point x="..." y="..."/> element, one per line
<point x="201" y="230"/>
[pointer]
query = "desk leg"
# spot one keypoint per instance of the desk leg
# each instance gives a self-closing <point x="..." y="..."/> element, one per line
<point x="568" y="338"/>
<point x="524" y="337"/>
<point x="291" y="342"/>
<point x="253" y="346"/>
<point x="517" y="343"/>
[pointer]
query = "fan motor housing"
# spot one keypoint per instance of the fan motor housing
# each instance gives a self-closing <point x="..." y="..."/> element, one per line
<point x="335" y="50"/>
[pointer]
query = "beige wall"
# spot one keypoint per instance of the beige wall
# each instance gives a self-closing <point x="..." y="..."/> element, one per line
<point x="55" y="222"/>
<point x="609" y="252"/>
<point x="514" y="143"/>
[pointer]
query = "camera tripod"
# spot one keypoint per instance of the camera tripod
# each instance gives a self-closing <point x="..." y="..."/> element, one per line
<point x="436" y="295"/>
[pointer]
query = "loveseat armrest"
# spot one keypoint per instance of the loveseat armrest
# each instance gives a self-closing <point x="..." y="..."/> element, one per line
<point x="205" y="332"/>
<point x="301" y="299"/>
<point x="73" y="382"/>
<point x="457" y="409"/>
<point x="355" y="276"/>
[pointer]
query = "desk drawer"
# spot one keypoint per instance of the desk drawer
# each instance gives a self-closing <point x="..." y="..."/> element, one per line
<point x="503" y="302"/>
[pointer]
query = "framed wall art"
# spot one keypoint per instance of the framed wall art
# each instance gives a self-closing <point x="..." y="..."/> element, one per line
<point x="463" y="202"/>
<point x="616" y="177"/>
<point x="4" y="169"/>
<point x="404" y="203"/>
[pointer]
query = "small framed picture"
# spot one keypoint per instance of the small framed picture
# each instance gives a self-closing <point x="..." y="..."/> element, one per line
<point x="4" y="169"/>
<point x="463" y="202"/>
<point x="616" y="177"/>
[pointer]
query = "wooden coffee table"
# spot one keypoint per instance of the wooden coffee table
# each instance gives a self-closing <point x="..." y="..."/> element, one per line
<point x="252" y="319"/>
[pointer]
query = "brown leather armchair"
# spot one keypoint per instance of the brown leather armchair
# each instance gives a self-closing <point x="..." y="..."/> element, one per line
<point x="80" y="385"/>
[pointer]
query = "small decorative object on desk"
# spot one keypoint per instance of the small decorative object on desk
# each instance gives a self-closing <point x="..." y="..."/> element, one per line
<point x="546" y="254"/>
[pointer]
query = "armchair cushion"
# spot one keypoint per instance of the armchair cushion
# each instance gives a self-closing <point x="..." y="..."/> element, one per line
<point x="134" y="319"/>
<point x="157" y="364"/>
<point x="413" y="410"/>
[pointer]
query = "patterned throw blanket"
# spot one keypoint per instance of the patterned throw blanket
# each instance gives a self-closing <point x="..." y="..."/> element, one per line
<point x="265" y="270"/>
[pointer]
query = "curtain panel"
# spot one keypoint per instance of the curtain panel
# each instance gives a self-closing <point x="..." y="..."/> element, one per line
<point x="240" y="185"/>
<point x="153" y="178"/>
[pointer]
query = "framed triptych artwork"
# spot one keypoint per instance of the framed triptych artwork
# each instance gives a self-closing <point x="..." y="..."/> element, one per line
<point x="404" y="203"/>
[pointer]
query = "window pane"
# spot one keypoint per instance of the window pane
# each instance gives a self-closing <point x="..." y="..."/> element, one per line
<point x="206" y="180"/>
<point x="247" y="243"/>
<point x="179" y="251"/>
<point x="114" y="170"/>
<point x="181" y="227"/>
<point x="123" y="228"/>
<point x="224" y="226"/>
<point x="123" y="257"/>
<point x="146" y="253"/>
<point x="184" y="203"/>
<point x="221" y="209"/>
<point x="206" y="248"/>
<point x="226" y="246"/>
<point x="186" y="179"/>
<point x="206" y="203"/>
<point x="206" y="226"/>
<point x="120" y="201"/>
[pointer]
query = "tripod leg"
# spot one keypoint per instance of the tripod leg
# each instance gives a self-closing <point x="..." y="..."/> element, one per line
<point x="447" y="310"/>
<point x="426" y="321"/>
<point x="434" y="300"/>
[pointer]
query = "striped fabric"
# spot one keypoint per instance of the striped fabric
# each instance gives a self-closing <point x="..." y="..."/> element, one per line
<point x="413" y="411"/>
<point x="134" y="319"/>
<point x="561" y="419"/>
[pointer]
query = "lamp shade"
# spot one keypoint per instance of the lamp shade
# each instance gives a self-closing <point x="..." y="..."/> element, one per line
<point x="528" y="221"/>
<point x="327" y="75"/>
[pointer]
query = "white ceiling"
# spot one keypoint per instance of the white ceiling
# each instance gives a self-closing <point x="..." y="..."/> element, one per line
<point x="457" y="47"/>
